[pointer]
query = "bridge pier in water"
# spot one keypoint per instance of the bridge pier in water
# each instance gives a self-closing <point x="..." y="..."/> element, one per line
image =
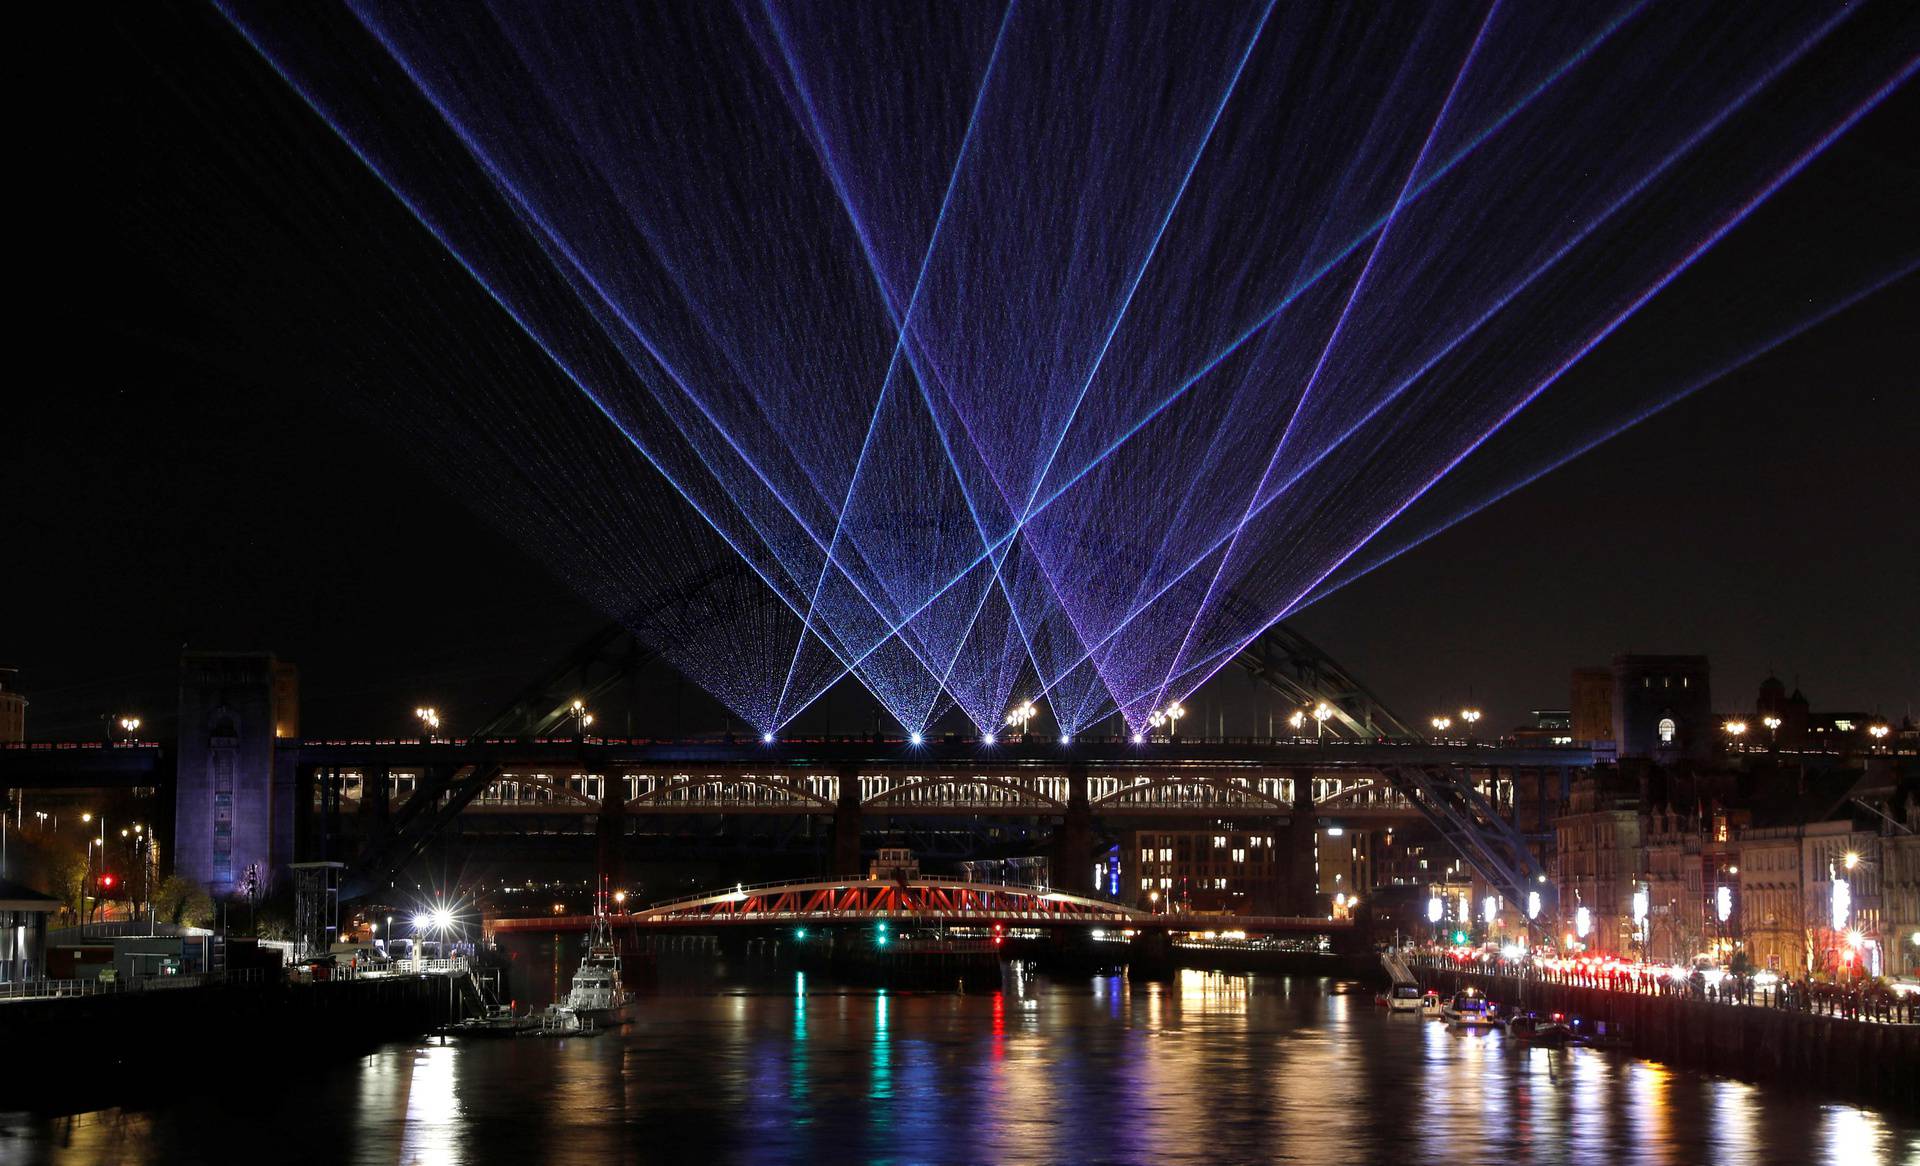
<point x="846" y="825"/>
<point x="1073" y="843"/>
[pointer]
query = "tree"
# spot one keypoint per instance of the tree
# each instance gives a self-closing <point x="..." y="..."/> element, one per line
<point x="180" y="900"/>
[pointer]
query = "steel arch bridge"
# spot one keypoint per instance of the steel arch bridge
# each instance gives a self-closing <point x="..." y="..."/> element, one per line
<point x="919" y="901"/>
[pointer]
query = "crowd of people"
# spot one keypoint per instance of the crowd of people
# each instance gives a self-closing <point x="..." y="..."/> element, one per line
<point x="1861" y="1000"/>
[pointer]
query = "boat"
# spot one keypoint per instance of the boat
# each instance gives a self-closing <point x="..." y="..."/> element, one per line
<point x="1551" y="1030"/>
<point x="597" y="999"/>
<point x="1469" y="1010"/>
<point x="1431" y="1006"/>
<point x="1406" y="998"/>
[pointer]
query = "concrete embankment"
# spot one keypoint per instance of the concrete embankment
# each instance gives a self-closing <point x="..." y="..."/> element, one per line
<point x="77" y="1053"/>
<point x="1875" y="1063"/>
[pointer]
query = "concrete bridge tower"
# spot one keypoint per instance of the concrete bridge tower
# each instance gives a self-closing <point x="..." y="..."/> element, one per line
<point x="234" y="792"/>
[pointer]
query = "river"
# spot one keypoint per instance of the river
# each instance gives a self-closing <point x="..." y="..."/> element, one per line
<point x="762" y="1065"/>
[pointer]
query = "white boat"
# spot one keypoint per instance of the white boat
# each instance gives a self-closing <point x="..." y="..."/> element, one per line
<point x="1431" y="1006"/>
<point x="597" y="998"/>
<point x="1405" y="998"/>
<point x="1469" y="1010"/>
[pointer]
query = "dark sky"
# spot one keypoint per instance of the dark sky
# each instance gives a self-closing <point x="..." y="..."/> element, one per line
<point x="182" y="467"/>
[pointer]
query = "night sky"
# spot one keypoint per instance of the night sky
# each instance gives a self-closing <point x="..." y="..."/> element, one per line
<point x="196" y="459"/>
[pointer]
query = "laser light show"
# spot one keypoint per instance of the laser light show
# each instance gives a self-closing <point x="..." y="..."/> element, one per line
<point x="1041" y="356"/>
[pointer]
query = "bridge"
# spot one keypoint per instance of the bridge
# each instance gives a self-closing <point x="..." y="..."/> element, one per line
<point x="377" y="805"/>
<point x="918" y="901"/>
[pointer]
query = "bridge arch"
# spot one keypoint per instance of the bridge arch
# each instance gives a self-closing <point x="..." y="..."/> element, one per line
<point x="1186" y="791"/>
<point x="962" y="792"/>
<point x="730" y="791"/>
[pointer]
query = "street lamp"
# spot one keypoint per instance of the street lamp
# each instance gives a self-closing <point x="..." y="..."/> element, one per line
<point x="1736" y="729"/>
<point x="429" y="718"/>
<point x="129" y="726"/>
<point x="1169" y="717"/>
<point x="1878" y="731"/>
<point x="582" y="719"/>
<point x="1441" y="725"/>
<point x="1470" y="717"/>
<point x="1022" y="714"/>
<point x="1297" y="721"/>
<point x="1321" y="712"/>
<point x="1773" y="729"/>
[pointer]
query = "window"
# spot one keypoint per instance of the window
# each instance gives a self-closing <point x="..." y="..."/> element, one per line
<point x="1667" y="730"/>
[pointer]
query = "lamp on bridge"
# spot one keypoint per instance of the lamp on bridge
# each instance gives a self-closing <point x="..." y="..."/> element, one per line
<point x="1321" y="712"/>
<point x="128" y="727"/>
<point x="1441" y="725"/>
<point x="1022" y="714"/>
<point x="1736" y="730"/>
<point x="1297" y="721"/>
<point x="429" y="718"/>
<point x="1168" y="717"/>
<point x="582" y="719"/>
<point x="1470" y="717"/>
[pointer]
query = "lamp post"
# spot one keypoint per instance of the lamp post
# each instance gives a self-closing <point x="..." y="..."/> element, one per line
<point x="1440" y="726"/>
<point x="1878" y="731"/>
<point x="1021" y="716"/>
<point x="1297" y="721"/>
<point x="1736" y="730"/>
<point x="582" y="719"/>
<point x="1470" y="717"/>
<point x="1169" y="717"/>
<point x="429" y="718"/>
<point x="128" y="727"/>
<point x="1321" y="712"/>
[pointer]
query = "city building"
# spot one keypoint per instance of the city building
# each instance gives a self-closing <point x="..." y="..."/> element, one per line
<point x="1223" y="870"/>
<point x="1771" y="899"/>
<point x="1840" y="869"/>
<point x="13" y="709"/>
<point x="1662" y="708"/>
<point x="1598" y="854"/>
<point x="23" y="931"/>
<point x="1675" y="929"/>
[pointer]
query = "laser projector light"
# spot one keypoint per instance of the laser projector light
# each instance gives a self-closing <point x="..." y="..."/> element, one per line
<point x="986" y="738"/>
<point x="1066" y="738"/>
<point x="766" y="738"/>
<point x="915" y="739"/>
<point x="1139" y="738"/>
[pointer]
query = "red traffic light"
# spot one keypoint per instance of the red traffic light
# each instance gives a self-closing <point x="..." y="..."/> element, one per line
<point x="106" y="880"/>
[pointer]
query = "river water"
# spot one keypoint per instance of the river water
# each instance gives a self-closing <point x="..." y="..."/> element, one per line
<point x="762" y="1065"/>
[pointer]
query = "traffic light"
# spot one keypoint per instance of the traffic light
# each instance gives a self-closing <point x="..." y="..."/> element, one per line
<point x="1459" y="938"/>
<point x="106" y="881"/>
<point x="799" y="933"/>
<point x="880" y="939"/>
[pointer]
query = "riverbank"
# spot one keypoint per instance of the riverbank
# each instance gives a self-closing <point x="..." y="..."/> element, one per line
<point x="1877" y="1063"/>
<point x="70" y="1054"/>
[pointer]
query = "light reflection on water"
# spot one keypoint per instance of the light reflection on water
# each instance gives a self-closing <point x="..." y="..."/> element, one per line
<point x="1209" y="1067"/>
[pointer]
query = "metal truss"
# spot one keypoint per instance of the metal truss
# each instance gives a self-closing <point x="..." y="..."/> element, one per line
<point x="1494" y="847"/>
<point x="1298" y="669"/>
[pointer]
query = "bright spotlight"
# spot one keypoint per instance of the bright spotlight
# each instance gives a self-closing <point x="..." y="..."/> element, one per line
<point x="1139" y="738"/>
<point x="766" y="738"/>
<point x="1066" y="738"/>
<point x="915" y="739"/>
<point x="442" y="919"/>
<point x="422" y="921"/>
<point x="986" y="738"/>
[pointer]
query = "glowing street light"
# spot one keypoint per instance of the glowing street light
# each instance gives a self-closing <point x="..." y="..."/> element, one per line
<point x="1441" y="725"/>
<point x="1533" y="904"/>
<point x="429" y="718"/>
<point x="1435" y="909"/>
<point x="582" y="719"/>
<point x="986" y="738"/>
<point x="1321" y="712"/>
<point x="1582" y="922"/>
<point x="766" y="738"/>
<point x="1851" y="860"/>
<point x="1878" y="731"/>
<point x="129" y="726"/>
<point x="1169" y="717"/>
<point x="1471" y="717"/>
<point x="1022" y="714"/>
<point x="1298" y="721"/>
<point x="1735" y="729"/>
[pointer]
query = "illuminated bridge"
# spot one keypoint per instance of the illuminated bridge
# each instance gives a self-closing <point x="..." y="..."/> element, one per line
<point x="920" y="901"/>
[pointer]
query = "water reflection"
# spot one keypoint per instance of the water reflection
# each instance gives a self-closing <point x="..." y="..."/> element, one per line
<point x="793" y="1068"/>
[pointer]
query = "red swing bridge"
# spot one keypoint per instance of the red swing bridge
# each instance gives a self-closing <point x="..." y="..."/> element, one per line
<point x="922" y="900"/>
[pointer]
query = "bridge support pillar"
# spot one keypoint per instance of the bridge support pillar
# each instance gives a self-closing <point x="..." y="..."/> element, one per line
<point x="610" y="834"/>
<point x="1300" y="890"/>
<point x="1073" y="843"/>
<point x="846" y="826"/>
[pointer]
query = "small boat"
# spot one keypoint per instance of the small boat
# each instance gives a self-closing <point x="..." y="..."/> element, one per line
<point x="1469" y="1009"/>
<point x="1432" y="1007"/>
<point x="1551" y="1031"/>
